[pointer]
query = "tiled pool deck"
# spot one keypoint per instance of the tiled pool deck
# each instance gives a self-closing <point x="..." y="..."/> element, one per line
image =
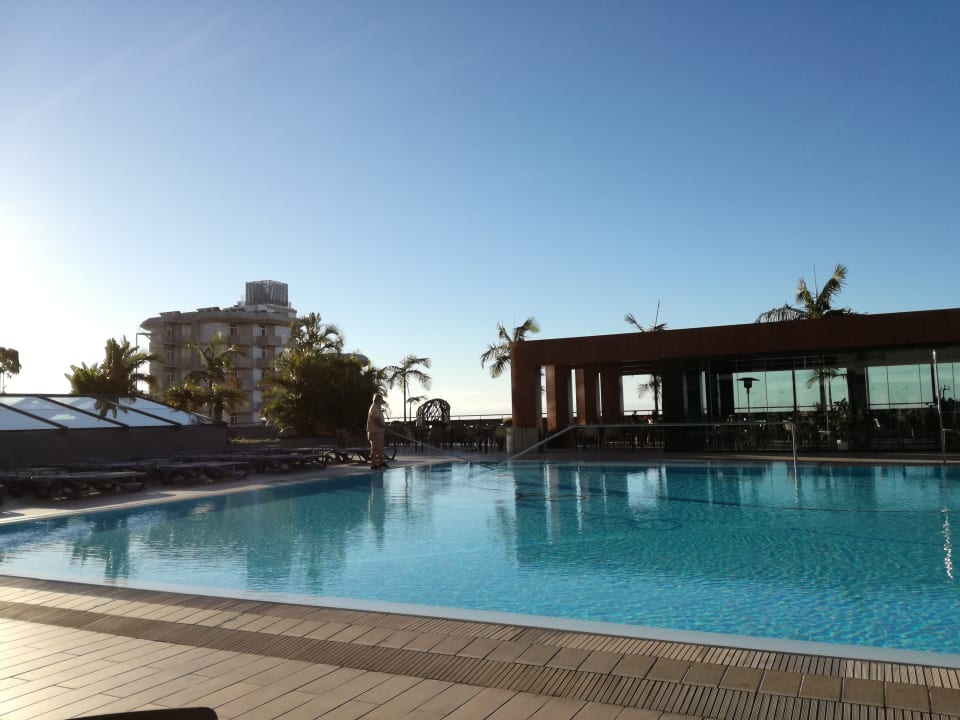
<point x="69" y="650"/>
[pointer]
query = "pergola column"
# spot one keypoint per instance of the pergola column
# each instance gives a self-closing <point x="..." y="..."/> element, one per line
<point x="611" y="395"/>
<point x="559" y="398"/>
<point x="588" y="396"/>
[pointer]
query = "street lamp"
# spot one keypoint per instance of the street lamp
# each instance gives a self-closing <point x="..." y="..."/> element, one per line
<point x="747" y="384"/>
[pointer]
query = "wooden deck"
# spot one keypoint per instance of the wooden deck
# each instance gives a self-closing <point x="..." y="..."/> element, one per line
<point x="70" y="649"/>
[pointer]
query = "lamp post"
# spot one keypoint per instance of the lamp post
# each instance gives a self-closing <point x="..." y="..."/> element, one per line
<point x="747" y="384"/>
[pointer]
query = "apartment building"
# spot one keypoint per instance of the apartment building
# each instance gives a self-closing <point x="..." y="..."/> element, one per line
<point x="259" y="326"/>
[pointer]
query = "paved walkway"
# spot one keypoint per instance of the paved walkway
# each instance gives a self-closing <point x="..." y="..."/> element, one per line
<point x="68" y="650"/>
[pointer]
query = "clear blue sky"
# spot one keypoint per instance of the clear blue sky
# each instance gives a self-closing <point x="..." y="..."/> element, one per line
<point x="419" y="171"/>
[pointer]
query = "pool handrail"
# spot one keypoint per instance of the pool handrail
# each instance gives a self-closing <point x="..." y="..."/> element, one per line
<point x="653" y="425"/>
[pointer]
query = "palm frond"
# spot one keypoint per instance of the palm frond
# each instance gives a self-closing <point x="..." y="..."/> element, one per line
<point x="780" y="314"/>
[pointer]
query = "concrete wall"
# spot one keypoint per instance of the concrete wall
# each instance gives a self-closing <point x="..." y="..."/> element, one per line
<point x="31" y="448"/>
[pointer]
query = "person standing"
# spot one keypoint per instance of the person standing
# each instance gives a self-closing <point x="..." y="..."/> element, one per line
<point x="376" y="431"/>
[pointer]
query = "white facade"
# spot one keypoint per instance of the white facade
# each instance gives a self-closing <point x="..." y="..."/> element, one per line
<point x="260" y="331"/>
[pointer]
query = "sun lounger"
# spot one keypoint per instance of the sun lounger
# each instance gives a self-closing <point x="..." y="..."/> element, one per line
<point x="284" y="461"/>
<point x="48" y="484"/>
<point x="197" y="471"/>
<point x="359" y="454"/>
<point x="351" y="454"/>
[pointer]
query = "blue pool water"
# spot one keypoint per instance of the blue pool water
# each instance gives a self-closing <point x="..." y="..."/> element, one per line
<point x="852" y="555"/>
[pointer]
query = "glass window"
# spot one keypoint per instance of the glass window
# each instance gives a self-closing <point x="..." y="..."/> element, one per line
<point x="878" y="396"/>
<point x="10" y="420"/>
<point x="749" y="392"/>
<point x="780" y="390"/>
<point x="903" y="385"/>
<point x="171" y="414"/>
<point x="54" y="412"/>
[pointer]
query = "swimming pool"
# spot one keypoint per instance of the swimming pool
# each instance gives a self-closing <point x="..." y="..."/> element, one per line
<point x="852" y="555"/>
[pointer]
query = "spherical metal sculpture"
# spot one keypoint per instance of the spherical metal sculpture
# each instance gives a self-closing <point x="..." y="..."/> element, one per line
<point x="434" y="412"/>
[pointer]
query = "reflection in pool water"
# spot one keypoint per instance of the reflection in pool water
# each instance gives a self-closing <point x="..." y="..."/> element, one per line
<point x="854" y="555"/>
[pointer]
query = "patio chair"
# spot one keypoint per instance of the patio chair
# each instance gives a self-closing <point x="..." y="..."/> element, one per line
<point x="190" y="713"/>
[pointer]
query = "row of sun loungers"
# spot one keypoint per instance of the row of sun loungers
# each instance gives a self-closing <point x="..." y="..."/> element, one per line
<point x="52" y="483"/>
<point x="132" y="476"/>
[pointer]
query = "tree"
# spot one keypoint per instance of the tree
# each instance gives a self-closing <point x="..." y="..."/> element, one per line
<point x="310" y="332"/>
<point x="414" y="400"/>
<point x="812" y="305"/>
<point x="406" y="373"/>
<point x="215" y="385"/>
<point x="118" y="374"/>
<point x="314" y="387"/>
<point x="9" y="364"/>
<point x="498" y="353"/>
<point x="654" y="384"/>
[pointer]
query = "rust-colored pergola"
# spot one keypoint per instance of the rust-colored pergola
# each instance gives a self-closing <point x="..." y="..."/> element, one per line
<point x="697" y="361"/>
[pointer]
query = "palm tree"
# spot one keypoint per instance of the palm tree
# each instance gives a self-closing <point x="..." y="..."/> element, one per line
<point x="311" y="332"/>
<point x="653" y="385"/>
<point x="819" y="304"/>
<point x="118" y="374"/>
<point x="824" y="376"/>
<point x="215" y="385"/>
<point x="415" y="400"/>
<point x="406" y="373"/>
<point x="498" y="353"/>
<point x="812" y="305"/>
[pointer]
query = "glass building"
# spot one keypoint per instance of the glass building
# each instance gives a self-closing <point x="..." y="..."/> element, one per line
<point x="863" y="382"/>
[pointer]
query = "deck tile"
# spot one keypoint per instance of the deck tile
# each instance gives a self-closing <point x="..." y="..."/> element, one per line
<point x="945" y="701"/>
<point x="276" y="706"/>
<point x="742" y="678"/>
<point x="107" y="678"/>
<point x="706" y="674"/>
<point x="600" y="662"/>
<point x="373" y="636"/>
<point x="537" y="655"/>
<point x="326" y="631"/>
<point x="820" y="687"/>
<point x="507" y="651"/>
<point x="398" y="639"/>
<point x="598" y="711"/>
<point x="390" y="688"/>
<point x="350" y="633"/>
<point x="409" y="700"/>
<point x="634" y="665"/>
<point x="479" y="648"/>
<point x="521" y="705"/>
<point x="637" y="714"/>
<point x="862" y="692"/>
<point x="779" y="682"/>
<point x="354" y="709"/>
<point x="281" y="625"/>
<point x="451" y="645"/>
<point x="558" y="709"/>
<point x="668" y="670"/>
<point x="569" y="658"/>
<point x="906" y="697"/>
